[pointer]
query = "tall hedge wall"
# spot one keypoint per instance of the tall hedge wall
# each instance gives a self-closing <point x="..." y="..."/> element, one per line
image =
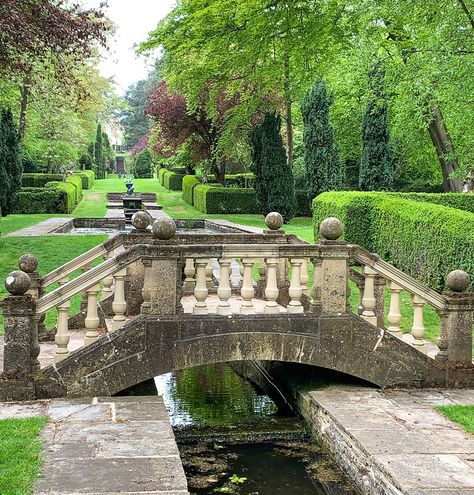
<point x="454" y="200"/>
<point x="39" y="180"/>
<point x="68" y="197"/>
<point x="217" y="199"/>
<point x="173" y="181"/>
<point x="87" y="177"/>
<point x="161" y="175"/>
<point x="189" y="183"/>
<point x="77" y="183"/>
<point x="39" y="200"/>
<point x="424" y="240"/>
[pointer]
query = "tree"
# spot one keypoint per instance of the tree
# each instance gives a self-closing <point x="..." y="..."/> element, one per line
<point x="142" y="164"/>
<point x="274" y="179"/>
<point x="376" y="164"/>
<point x="256" y="167"/>
<point x="323" y="169"/>
<point x="99" y="154"/>
<point x="10" y="162"/>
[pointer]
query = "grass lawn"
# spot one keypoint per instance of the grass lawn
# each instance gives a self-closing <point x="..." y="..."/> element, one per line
<point x="20" y="454"/>
<point x="463" y="415"/>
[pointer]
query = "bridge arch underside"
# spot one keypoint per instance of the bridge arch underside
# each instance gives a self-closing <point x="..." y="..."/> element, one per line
<point x="150" y="345"/>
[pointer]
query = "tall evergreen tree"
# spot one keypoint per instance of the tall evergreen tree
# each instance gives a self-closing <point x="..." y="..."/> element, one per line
<point x="10" y="162"/>
<point x="256" y="167"/>
<point x="276" y="175"/>
<point x="323" y="169"/>
<point x="99" y="154"/>
<point x="376" y="165"/>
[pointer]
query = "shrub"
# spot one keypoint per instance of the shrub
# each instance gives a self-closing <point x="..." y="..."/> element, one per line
<point x="87" y="177"/>
<point x="161" y="175"/>
<point x="39" y="180"/>
<point x="424" y="240"/>
<point x="454" y="200"/>
<point x="240" y="180"/>
<point x="218" y="199"/>
<point x="77" y="183"/>
<point x="39" y="200"/>
<point x="302" y="204"/>
<point x="189" y="183"/>
<point x="68" y="196"/>
<point x="173" y="181"/>
<point x="143" y="165"/>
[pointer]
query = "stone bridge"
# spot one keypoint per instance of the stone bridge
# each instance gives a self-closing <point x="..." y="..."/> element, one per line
<point x="198" y="298"/>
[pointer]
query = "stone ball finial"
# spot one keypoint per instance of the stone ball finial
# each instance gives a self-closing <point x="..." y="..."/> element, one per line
<point x="164" y="227"/>
<point x="274" y="220"/>
<point x="17" y="283"/>
<point x="28" y="263"/>
<point x="458" y="281"/>
<point x="331" y="228"/>
<point x="141" y="219"/>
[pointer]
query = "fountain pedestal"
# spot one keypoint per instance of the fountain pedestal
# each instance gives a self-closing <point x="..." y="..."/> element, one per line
<point x="131" y="204"/>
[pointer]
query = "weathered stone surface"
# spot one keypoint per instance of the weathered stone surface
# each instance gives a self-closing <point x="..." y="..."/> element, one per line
<point x="274" y="220"/>
<point x="141" y="219"/>
<point x="164" y="227"/>
<point x="458" y="281"/>
<point x="28" y="263"/>
<point x="331" y="228"/>
<point x="17" y="283"/>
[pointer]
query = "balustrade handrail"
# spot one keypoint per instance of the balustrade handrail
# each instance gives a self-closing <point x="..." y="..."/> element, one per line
<point x="395" y="275"/>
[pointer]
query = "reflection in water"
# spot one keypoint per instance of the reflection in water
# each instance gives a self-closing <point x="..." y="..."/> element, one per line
<point x="212" y="395"/>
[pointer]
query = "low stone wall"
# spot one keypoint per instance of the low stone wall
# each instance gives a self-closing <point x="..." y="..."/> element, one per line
<point x="115" y="196"/>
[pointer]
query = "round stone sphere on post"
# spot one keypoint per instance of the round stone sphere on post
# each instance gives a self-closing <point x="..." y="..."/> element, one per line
<point x="164" y="228"/>
<point x="141" y="219"/>
<point x="331" y="229"/>
<point x="28" y="263"/>
<point x="17" y="283"/>
<point x="274" y="221"/>
<point x="458" y="281"/>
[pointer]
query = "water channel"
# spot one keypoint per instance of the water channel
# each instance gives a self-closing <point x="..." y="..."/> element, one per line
<point x="233" y="438"/>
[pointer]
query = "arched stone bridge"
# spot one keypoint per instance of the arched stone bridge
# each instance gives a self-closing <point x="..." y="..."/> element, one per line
<point x="170" y="305"/>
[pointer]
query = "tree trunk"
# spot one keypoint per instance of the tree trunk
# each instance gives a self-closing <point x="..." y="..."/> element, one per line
<point x="24" y="105"/>
<point x="445" y="150"/>
<point x="288" y="116"/>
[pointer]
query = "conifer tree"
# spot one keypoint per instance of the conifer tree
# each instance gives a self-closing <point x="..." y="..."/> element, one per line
<point x="323" y="169"/>
<point x="10" y="162"/>
<point x="98" y="154"/>
<point x="376" y="164"/>
<point x="256" y="167"/>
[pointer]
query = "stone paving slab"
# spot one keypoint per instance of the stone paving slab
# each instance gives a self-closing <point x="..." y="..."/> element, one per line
<point x="42" y="228"/>
<point x="397" y="434"/>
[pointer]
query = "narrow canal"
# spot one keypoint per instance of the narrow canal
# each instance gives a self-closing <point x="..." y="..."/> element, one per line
<point x="234" y="438"/>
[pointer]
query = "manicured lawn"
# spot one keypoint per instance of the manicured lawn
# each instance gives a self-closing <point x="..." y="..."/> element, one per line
<point x="11" y="223"/>
<point x="20" y="454"/>
<point x="463" y="415"/>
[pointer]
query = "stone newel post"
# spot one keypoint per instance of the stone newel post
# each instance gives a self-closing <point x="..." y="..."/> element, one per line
<point x="334" y="272"/>
<point x="455" y="341"/>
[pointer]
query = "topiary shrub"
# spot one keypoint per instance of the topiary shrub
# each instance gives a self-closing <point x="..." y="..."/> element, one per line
<point x="302" y="203"/>
<point x="422" y="239"/>
<point x="173" y="181"/>
<point x="68" y="196"/>
<point x="189" y="183"/>
<point x="161" y="176"/>
<point x="77" y="183"/>
<point x="454" y="200"/>
<point x="218" y="199"/>
<point x="142" y="165"/>
<point x="39" y="200"/>
<point x="39" y="180"/>
<point x="240" y="180"/>
<point x="87" y="177"/>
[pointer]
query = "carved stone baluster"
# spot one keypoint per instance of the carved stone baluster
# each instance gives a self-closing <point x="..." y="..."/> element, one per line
<point x="147" y="286"/>
<point x="85" y="268"/>
<point x="108" y="281"/>
<point x="394" y="317"/>
<point x="209" y="275"/>
<point x="304" y="277"/>
<point x="200" y="291"/>
<point x="296" y="291"/>
<point x="271" y="289"/>
<point x="224" y="291"/>
<point x="368" y="301"/>
<point x="418" y="328"/>
<point x="316" y="292"/>
<point x="189" y="272"/>
<point x="62" y="336"/>
<point x="119" y="306"/>
<point x="247" y="292"/>
<point x="92" y="319"/>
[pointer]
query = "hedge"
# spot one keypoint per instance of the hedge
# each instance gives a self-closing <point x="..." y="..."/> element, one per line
<point x="454" y="200"/>
<point x="39" y="180"/>
<point x="217" y="199"/>
<point x="68" y="196"/>
<point x="303" y="208"/>
<point x="77" y="183"/>
<point x="172" y="181"/>
<point x="39" y="200"/>
<point x="189" y="183"/>
<point x="161" y="174"/>
<point x="87" y="177"/>
<point x="424" y="240"/>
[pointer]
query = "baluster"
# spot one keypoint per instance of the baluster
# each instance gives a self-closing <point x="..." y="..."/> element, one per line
<point x="119" y="305"/>
<point x="62" y="336"/>
<point x="304" y="277"/>
<point x="107" y="281"/>
<point x="418" y="328"/>
<point x="394" y="317"/>
<point x="271" y="289"/>
<point x="92" y="318"/>
<point x="85" y="268"/>
<point x="200" y="291"/>
<point x="189" y="272"/>
<point x="368" y="301"/>
<point x="247" y="292"/>
<point x="224" y="291"/>
<point x="317" y="281"/>
<point x="147" y="286"/>
<point x="209" y="275"/>
<point x="296" y="291"/>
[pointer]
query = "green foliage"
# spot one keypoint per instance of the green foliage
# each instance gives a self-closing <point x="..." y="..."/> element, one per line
<point x="454" y="200"/>
<point x="77" y="183"/>
<point x="142" y="165"/>
<point x="273" y="176"/>
<point x="40" y="200"/>
<point x="463" y="415"/>
<point x="39" y="180"/>
<point x="240" y="180"/>
<point x="217" y="199"/>
<point x="189" y="183"/>
<point x="67" y="198"/>
<point x="376" y="164"/>
<point x="302" y="204"/>
<point x="424" y="240"/>
<point x="10" y="163"/>
<point x="99" y="159"/>
<point x="161" y="175"/>
<point x="173" y="181"/>
<point x="324" y="171"/>
<point x="87" y="177"/>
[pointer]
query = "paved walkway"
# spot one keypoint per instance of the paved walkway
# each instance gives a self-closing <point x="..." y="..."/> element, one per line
<point x="107" y="446"/>
<point x="42" y="228"/>
<point x="398" y="434"/>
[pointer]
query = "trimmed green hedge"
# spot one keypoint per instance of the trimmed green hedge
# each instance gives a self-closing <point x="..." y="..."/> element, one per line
<point x="87" y="177"/>
<point x="77" y="183"/>
<point x="217" y="199"/>
<point x="303" y="208"/>
<point x="454" y="200"/>
<point x="161" y="176"/>
<point x="39" y="200"/>
<point x="39" y="180"/>
<point x="424" y="240"/>
<point x="68" y="196"/>
<point x="189" y="183"/>
<point x="173" y="181"/>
